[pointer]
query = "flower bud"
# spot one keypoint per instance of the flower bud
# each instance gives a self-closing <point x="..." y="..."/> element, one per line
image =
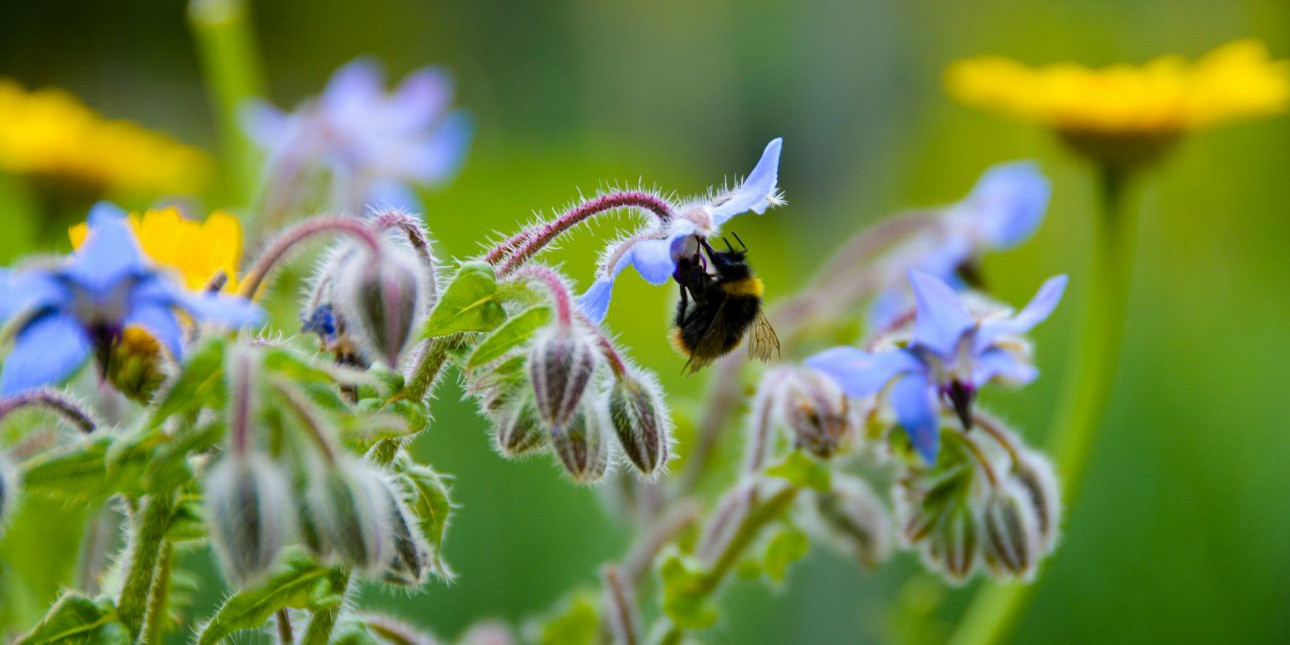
<point x="1010" y="528"/>
<point x="1034" y="473"/>
<point x="560" y="367"/>
<point x="137" y="364"/>
<point x="814" y="408"/>
<point x="411" y="560"/>
<point x="581" y="445"/>
<point x="858" y="523"/>
<point x="519" y="430"/>
<point x="351" y="506"/>
<point x="641" y="421"/>
<point x="8" y="487"/>
<point x="383" y="298"/>
<point x="249" y="509"/>
<point x="952" y="545"/>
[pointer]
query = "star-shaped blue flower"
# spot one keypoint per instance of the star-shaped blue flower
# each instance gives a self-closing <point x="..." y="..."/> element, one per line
<point x="655" y="251"/>
<point x="374" y="143"/>
<point x="84" y="303"/>
<point x="950" y="356"/>
<point x="1005" y="207"/>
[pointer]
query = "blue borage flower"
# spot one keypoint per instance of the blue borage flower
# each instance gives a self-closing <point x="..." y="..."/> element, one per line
<point x="1005" y="207"/>
<point x="951" y="354"/>
<point x="67" y="309"/>
<point x="654" y="251"/>
<point x="374" y="143"/>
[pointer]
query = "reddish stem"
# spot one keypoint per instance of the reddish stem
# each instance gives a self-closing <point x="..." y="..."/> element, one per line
<point x="299" y="233"/>
<point x="543" y="236"/>
<point x="53" y="401"/>
<point x="559" y="293"/>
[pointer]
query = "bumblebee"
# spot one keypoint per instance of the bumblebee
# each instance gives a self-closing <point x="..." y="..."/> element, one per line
<point x="719" y="307"/>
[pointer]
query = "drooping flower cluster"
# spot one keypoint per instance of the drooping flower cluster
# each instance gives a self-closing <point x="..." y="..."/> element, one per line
<point x="375" y="145"/>
<point x="51" y="133"/>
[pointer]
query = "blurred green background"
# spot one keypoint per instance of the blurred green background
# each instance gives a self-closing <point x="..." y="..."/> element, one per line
<point x="1183" y="534"/>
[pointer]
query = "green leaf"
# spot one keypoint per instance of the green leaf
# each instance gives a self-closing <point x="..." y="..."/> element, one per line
<point x="577" y="622"/>
<point x="685" y="592"/>
<point x="801" y="470"/>
<point x="468" y="304"/>
<point x="188" y="524"/>
<point x="300" y="583"/>
<point x="200" y="384"/>
<point x="77" y="620"/>
<point x="513" y="333"/>
<point x="785" y="547"/>
<point x="82" y="473"/>
<point x="432" y="506"/>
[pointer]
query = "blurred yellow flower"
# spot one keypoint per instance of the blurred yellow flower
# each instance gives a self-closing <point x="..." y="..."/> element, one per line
<point x="1147" y="105"/>
<point x="51" y="133"/>
<point x="196" y="250"/>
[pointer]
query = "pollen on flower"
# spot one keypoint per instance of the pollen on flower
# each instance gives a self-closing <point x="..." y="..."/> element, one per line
<point x="49" y="132"/>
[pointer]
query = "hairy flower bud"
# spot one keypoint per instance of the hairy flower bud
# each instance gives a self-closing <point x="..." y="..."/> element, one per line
<point x="383" y="298"/>
<point x="249" y="509"/>
<point x="641" y="421"/>
<point x="137" y="364"/>
<point x="519" y="431"/>
<point x="581" y="445"/>
<point x="560" y="367"/>
<point x="351" y="506"/>
<point x="411" y="559"/>
<point x="854" y="518"/>
<point x="1010" y="528"/>
<point x="953" y="544"/>
<point x="1034" y="473"/>
<point x="814" y="408"/>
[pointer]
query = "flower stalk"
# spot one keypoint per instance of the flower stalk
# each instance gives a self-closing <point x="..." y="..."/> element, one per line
<point x="147" y="536"/>
<point x="277" y="251"/>
<point x="532" y="242"/>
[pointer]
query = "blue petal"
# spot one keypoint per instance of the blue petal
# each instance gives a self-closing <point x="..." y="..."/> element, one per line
<point x="757" y="192"/>
<point x="1009" y="201"/>
<point x="230" y="311"/>
<point x="159" y="321"/>
<point x="28" y="291"/>
<point x="263" y="123"/>
<point x="595" y="300"/>
<point x="653" y="260"/>
<point x="1035" y="312"/>
<point x="439" y="156"/>
<point x="110" y="252"/>
<point x="860" y="373"/>
<point x="353" y="88"/>
<point x="941" y="318"/>
<point x="420" y="99"/>
<point x="392" y="194"/>
<point x="47" y="351"/>
<point x="997" y="362"/>
<point x="915" y="405"/>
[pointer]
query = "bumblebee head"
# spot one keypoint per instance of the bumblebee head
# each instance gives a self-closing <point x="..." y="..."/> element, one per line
<point x="730" y="264"/>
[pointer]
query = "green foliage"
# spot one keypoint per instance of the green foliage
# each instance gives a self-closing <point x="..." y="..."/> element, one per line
<point x="300" y="583"/>
<point x="801" y="470"/>
<point x="786" y="546"/>
<point x="200" y="384"/>
<point x="514" y="332"/>
<point x="469" y="303"/>
<point x="577" y="622"/>
<point x="686" y="592"/>
<point x="432" y="505"/>
<point x="77" y="620"/>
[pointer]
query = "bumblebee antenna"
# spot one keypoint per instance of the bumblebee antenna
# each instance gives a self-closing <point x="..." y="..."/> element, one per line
<point x="741" y="241"/>
<point x="727" y="241"/>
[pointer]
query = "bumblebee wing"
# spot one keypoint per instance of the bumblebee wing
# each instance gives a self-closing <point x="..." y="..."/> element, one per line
<point x="711" y="343"/>
<point x="763" y="343"/>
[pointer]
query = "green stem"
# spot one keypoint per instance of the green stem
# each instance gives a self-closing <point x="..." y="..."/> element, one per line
<point x="231" y="62"/>
<point x="422" y="375"/>
<point x="323" y="622"/>
<point x="159" y="599"/>
<point x="145" y="550"/>
<point x="1088" y="386"/>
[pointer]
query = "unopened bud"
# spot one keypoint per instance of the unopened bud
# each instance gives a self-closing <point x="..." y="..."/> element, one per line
<point x="519" y="430"/>
<point x="249" y="509"/>
<point x="952" y="545"/>
<point x="411" y="560"/>
<point x="855" y="519"/>
<point x="641" y="421"/>
<point x="383" y="298"/>
<point x="814" y="408"/>
<point x="560" y="367"/>
<point x="137" y="365"/>
<point x="581" y="445"/>
<point x="8" y="487"/>
<point x="1010" y="530"/>
<point x="350" y="502"/>
<point x="1034" y="473"/>
<point x="391" y="630"/>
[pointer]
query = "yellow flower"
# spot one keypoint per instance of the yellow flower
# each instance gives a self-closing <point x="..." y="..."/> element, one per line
<point x="196" y="250"/>
<point x="1129" y="108"/>
<point x="51" y="133"/>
